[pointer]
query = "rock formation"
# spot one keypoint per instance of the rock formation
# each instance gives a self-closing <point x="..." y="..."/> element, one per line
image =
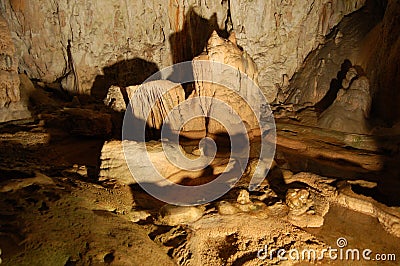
<point x="77" y="42"/>
<point x="368" y="38"/>
<point x="305" y="208"/>
<point x="180" y="215"/>
<point x="243" y="204"/>
<point x="320" y="78"/>
<point x="343" y="195"/>
<point x="350" y="111"/>
<point x="228" y="53"/>
<point x="115" y="99"/>
<point x="114" y="168"/>
<point x="154" y="101"/>
<point x="219" y="240"/>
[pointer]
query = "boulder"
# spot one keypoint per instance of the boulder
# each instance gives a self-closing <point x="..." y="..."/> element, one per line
<point x="114" y="167"/>
<point x="115" y="99"/>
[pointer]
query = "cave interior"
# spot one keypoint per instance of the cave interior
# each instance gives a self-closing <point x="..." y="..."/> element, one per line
<point x="98" y="99"/>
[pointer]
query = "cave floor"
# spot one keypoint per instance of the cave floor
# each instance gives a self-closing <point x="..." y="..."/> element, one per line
<point x="55" y="211"/>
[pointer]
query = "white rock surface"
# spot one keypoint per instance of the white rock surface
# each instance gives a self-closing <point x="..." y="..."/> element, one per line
<point x="115" y="99"/>
<point x="114" y="167"/>
<point x="77" y="40"/>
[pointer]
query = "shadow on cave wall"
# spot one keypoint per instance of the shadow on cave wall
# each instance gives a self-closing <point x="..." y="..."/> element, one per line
<point x="123" y="74"/>
<point x="185" y="45"/>
<point x="191" y="41"/>
<point x="193" y="37"/>
<point x="335" y="86"/>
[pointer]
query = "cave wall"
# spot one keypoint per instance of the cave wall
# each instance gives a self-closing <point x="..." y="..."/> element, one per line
<point x="320" y="77"/>
<point x="369" y="39"/>
<point x="13" y="105"/>
<point x="9" y="80"/>
<point x="279" y="35"/>
<point x="75" y="41"/>
<point x="380" y="54"/>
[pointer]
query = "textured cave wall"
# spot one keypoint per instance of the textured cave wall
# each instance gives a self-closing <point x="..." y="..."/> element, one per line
<point x="280" y="34"/>
<point x="13" y="105"/>
<point x="75" y="40"/>
<point x="380" y="56"/>
<point x="9" y="80"/>
<point x="369" y="39"/>
<point x="88" y="43"/>
<point x="319" y="80"/>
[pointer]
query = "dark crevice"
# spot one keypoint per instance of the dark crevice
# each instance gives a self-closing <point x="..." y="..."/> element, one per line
<point x="71" y="67"/>
<point x="123" y="74"/>
<point x="228" y="21"/>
